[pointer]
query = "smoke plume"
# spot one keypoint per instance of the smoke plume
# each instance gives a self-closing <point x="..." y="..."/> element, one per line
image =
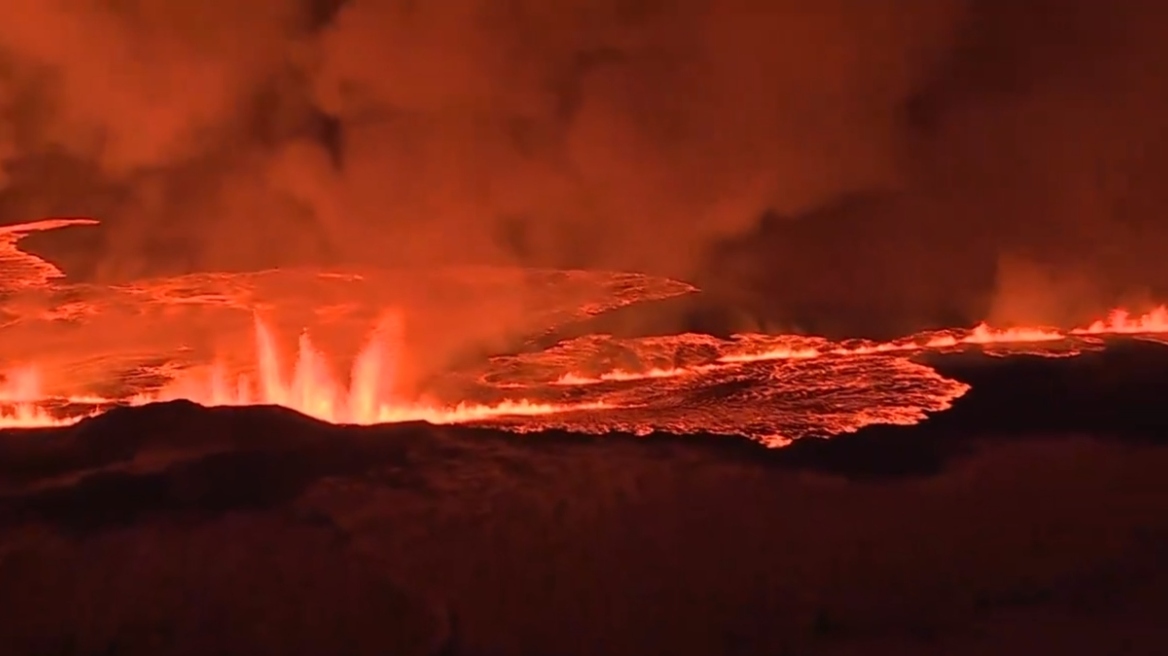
<point x="614" y="133"/>
<point x="639" y="134"/>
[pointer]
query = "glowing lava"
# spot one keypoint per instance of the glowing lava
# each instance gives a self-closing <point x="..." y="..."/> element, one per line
<point x="24" y="270"/>
<point x="312" y="389"/>
<point x="1120" y="322"/>
<point x="785" y="386"/>
<point x="20" y="395"/>
<point x="623" y="375"/>
<point x="150" y="341"/>
<point x="792" y="347"/>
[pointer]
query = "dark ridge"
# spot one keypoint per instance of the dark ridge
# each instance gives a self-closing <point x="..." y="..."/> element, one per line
<point x="1113" y="394"/>
<point x="241" y="459"/>
<point x="121" y="434"/>
<point x="261" y="458"/>
<point x="251" y="459"/>
<point x="201" y="489"/>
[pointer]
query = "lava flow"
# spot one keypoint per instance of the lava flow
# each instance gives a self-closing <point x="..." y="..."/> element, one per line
<point x="311" y="389"/>
<point x="772" y="388"/>
<point x="88" y="348"/>
<point x="776" y="388"/>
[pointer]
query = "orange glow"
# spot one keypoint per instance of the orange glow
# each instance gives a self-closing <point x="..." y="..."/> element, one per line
<point x="624" y="375"/>
<point x="312" y="389"/>
<point x="20" y="394"/>
<point x="983" y="334"/>
<point x="367" y="395"/>
<point x="29" y="415"/>
<point x="20" y="384"/>
<point x="791" y="347"/>
<point x="23" y="270"/>
<point x="778" y="353"/>
<point x="1120" y="322"/>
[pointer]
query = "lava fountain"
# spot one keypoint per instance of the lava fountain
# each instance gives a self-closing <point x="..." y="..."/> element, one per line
<point x="310" y="388"/>
<point x="770" y="388"/>
<point x="20" y="392"/>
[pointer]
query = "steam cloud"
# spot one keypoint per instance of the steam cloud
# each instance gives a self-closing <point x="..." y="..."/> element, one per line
<point x="619" y="133"/>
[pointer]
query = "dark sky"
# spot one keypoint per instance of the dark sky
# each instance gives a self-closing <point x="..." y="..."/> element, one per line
<point x="1001" y="158"/>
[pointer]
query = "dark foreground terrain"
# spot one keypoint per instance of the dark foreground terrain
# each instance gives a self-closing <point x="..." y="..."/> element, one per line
<point x="1032" y="518"/>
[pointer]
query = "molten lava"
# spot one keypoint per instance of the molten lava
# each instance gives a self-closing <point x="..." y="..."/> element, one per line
<point x="24" y="270"/>
<point x="20" y="391"/>
<point x="311" y="388"/>
<point x="774" y="388"/>
<point x="1120" y="322"/>
<point x="95" y="347"/>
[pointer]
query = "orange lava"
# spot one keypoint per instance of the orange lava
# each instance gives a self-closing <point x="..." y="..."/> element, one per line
<point x="1120" y="322"/>
<point x="310" y="387"/>
<point x="622" y="375"/>
<point x="983" y="334"/>
<point x="20" y="398"/>
<point x="793" y="347"/>
<point x="771" y="388"/>
<point x="367" y="396"/>
<point x="23" y="270"/>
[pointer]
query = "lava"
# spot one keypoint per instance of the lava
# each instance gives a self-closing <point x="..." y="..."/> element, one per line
<point x="620" y="375"/>
<point x="797" y="347"/>
<point x="19" y="385"/>
<point x="20" y="398"/>
<point x="310" y="388"/>
<point x="187" y="337"/>
<point x="21" y="269"/>
<point x="980" y="335"/>
<point x="313" y="390"/>
<point x="1121" y="322"/>
<point x="775" y="388"/>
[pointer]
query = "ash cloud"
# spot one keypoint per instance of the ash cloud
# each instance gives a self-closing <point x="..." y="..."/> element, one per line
<point x="895" y="152"/>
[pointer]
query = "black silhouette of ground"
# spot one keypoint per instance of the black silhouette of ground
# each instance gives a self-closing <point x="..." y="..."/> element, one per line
<point x="1030" y="518"/>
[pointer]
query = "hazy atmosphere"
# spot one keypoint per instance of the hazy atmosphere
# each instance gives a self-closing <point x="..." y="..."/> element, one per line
<point x="583" y="327"/>
<point x="959" y="156"/>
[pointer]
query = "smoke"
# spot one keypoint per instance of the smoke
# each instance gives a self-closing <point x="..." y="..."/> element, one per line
<point x="1044" y="142"/>
<point x="632" y="134"/>
<point x="1032" y="186"/>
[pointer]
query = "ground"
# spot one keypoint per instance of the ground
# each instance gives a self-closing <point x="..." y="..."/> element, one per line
<point x="1032" y="518"/>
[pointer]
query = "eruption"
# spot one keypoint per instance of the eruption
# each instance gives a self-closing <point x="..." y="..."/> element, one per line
<point x="695" y="218"/>
<point x="770" y="387"/>
<point x="313" y="389"/>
